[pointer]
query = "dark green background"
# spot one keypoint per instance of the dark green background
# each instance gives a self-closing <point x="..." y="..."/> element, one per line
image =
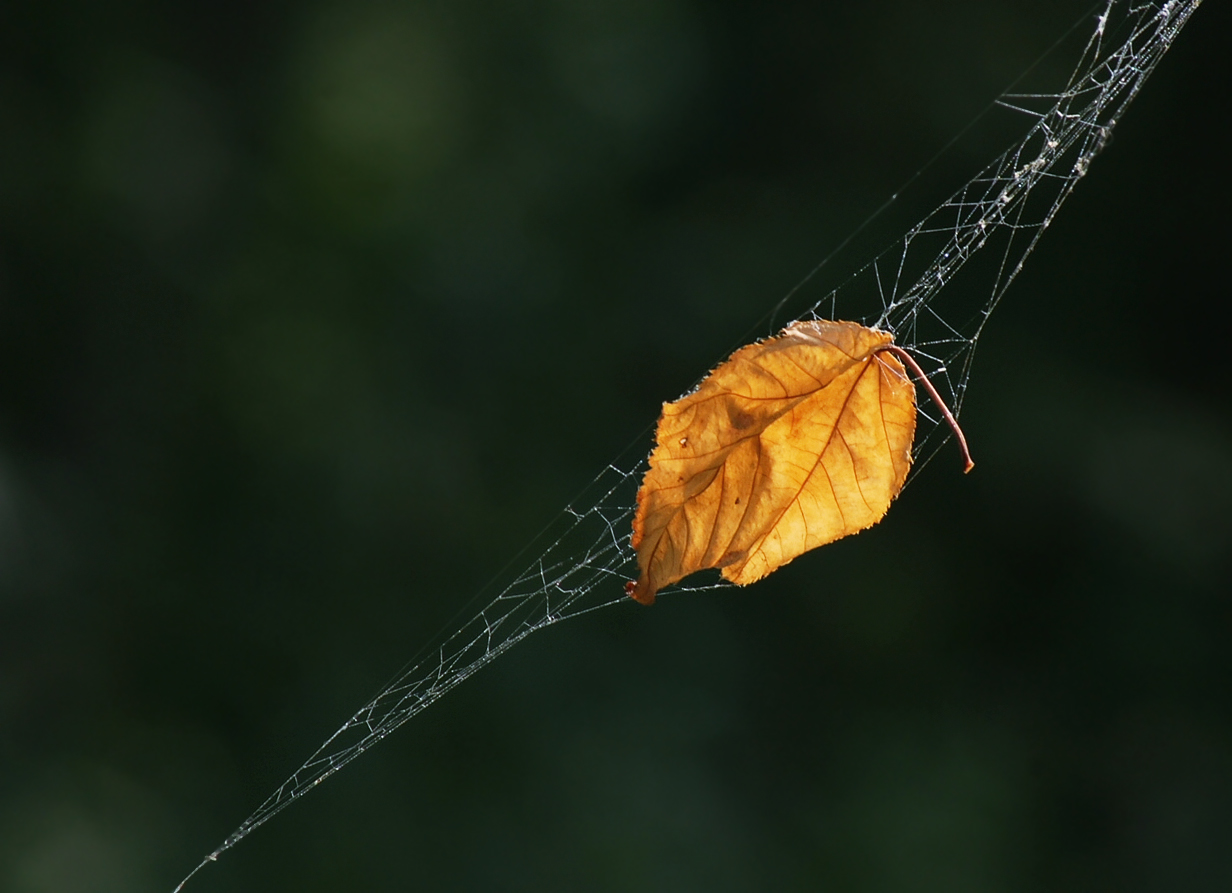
<point x="310" y="313"/>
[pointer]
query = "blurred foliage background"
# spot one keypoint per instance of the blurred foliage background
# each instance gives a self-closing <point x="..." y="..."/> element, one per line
<point x="310" y="312"/>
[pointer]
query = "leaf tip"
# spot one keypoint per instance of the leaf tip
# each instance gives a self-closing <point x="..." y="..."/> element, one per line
<point x="640" y="591"/>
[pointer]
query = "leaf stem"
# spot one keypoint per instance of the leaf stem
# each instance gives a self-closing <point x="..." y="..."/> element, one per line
<point x="932" y="392"/>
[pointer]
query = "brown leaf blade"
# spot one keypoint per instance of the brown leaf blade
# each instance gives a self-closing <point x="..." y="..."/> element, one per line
<point x="790" y="444"/>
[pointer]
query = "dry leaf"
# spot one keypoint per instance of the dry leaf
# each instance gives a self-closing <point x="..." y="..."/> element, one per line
<point x="792" y="443"/>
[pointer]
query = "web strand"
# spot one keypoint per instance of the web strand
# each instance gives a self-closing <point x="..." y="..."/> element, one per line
<point x="1000" y="213"/>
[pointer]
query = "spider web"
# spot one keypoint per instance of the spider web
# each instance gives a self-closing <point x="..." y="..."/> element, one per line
<point x="999" y="216"/>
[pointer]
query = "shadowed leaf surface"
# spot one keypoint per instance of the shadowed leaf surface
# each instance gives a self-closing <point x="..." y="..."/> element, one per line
<point x="790" y="444"/>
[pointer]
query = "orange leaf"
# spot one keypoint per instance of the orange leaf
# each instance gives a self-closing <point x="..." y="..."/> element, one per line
<point x="792" y="443"/>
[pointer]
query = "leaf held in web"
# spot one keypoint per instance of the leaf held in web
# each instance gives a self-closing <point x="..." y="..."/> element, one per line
<point x="790" y="444"/>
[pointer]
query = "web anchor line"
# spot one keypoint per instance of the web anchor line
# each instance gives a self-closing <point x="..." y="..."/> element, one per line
<point x="1006" y="206"/>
